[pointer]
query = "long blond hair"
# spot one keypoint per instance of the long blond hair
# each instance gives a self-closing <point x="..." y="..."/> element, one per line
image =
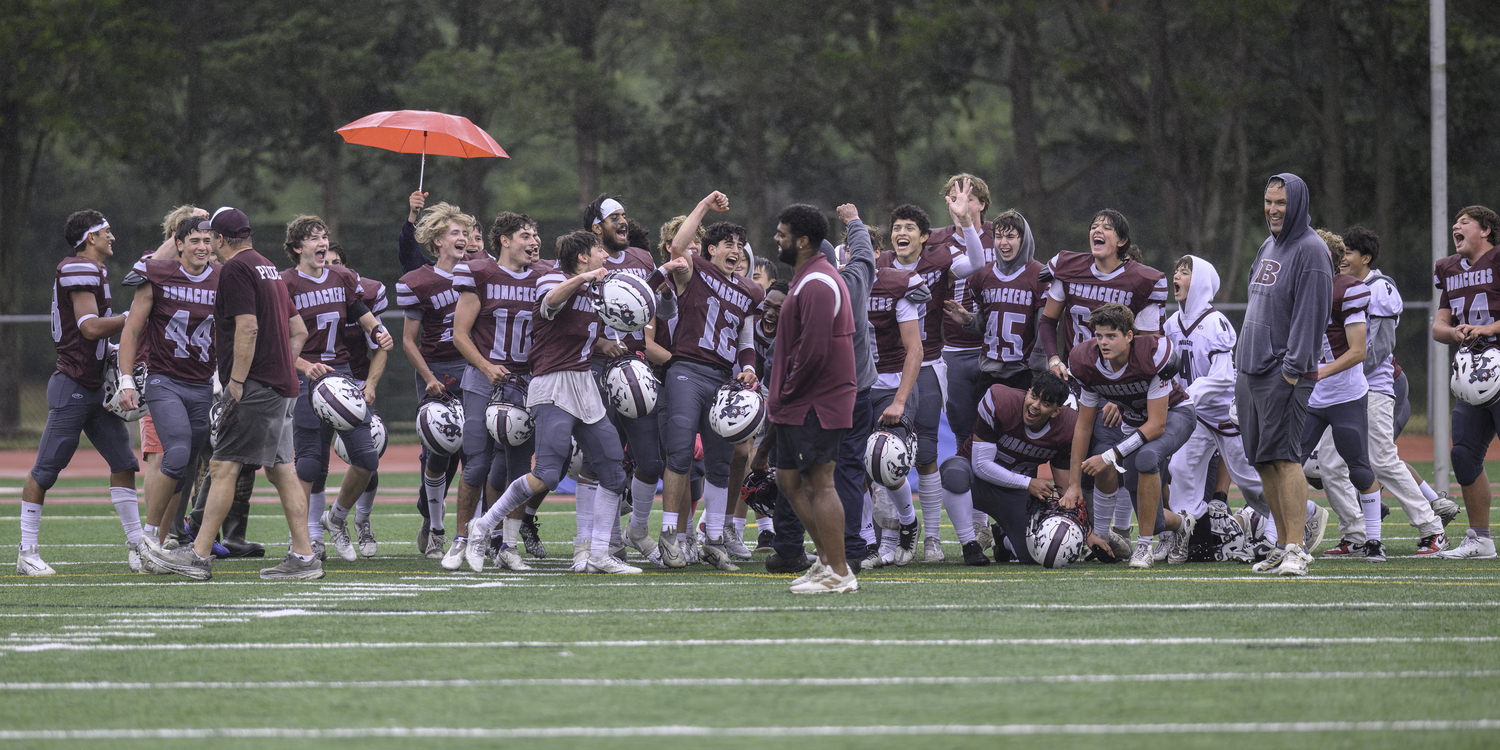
<point x="175" y="217"/>
<point x="434" y="223"/>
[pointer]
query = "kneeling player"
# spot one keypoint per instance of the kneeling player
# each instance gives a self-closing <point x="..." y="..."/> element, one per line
<point x="995" y="469"/>
<point x="1138" y="374"/>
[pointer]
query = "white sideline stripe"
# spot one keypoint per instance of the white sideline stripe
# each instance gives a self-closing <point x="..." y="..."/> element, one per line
<point x="1189" y="641"/>
<point x="1288" y="727"/>
<point x="763" y="682"/>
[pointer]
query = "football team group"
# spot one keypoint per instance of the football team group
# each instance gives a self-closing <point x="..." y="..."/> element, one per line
<point x="1075" y="400"/>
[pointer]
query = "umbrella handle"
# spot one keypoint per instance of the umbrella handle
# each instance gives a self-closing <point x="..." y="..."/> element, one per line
<point x="422" y="175"/>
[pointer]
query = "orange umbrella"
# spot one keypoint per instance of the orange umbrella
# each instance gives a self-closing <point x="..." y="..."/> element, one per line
<point x="412" y="131"/>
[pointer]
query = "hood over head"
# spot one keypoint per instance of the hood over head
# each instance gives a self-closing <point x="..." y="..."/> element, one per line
<point x="1201" y="292"/>
<point x="1298" y="212"/>
<point x="1028" y="250"/>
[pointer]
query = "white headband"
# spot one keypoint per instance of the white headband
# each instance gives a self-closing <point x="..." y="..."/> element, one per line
<point x="609" y="206"/>
<point x="101" y="225"/>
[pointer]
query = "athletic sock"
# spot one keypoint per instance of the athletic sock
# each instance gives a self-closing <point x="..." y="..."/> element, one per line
<point x="668" y="521"/>
<point x="642" y="498"/>
<point x="739" y="526"/>
<point x="1271" y="531"/>
<point x="128" y="511"/>
<point x="617" y="534"/>
<point x="303" y="558"/>
<point x="980" y="517"/>
<point x="715" y="508"/>
<point x="1104" y="512"/>
<point x="960" y="505"/>
<point x="930" y="491"/>
<point x="1122" y="508"/>
<point x="763" y="524"/>
<point x="339" y="512"/>
<point x="1427" y="490"/>
<point x="31" y="523"/>
<point x="364" y="505"/>
<point x="901" y="498"/>
<point x="1483" y="532"/>
<point x="606" y="511"/>
<point x="1312" y="508"/>
<point x="1369" y="503"/>
<point x="511" y="531"/>
<point x="149" y="530"/>
<point x="515" y="494"/>
<point x="867" y="520"/>
<point x="530" y="511"/>
<point x="317" y="502"/>
<point x="437" y="496"/>
<point x="585" y="511"/>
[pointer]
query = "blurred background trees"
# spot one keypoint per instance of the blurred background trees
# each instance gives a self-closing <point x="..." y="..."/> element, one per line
<point x="1172" y="111"/>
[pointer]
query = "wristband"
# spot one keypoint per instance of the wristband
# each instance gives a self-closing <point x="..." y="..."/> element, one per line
<point x="232" y="380"/>
<point x="85" y="318"/>
<point x="1112" y="458"/>
<point x="127" y="382"/>
<point x="1130" y="445"/>
<point x="125" y="315"/>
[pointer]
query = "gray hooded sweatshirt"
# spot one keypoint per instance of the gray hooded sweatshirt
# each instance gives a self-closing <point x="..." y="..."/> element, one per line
<point x="859" y="276"/>
<point x="1291" y="294"/>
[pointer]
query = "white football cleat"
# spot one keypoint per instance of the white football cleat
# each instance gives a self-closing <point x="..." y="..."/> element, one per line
<point x="508" y="559"/>
<point x="474" y="553"/>
<point x="29" y="563"/>
<point x="609" y="564"/>
<point x="932" y="550"/>
<point x="1141" y="558"/>
<point x="453" y="559"/>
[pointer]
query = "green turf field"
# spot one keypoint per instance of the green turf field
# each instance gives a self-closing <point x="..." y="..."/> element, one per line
<point x="394" y="652"/>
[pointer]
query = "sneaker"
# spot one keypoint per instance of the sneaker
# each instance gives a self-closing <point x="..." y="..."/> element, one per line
<point x="1374" y="551"/>
<point x="828" y="583"/>
<point x="182" y="561"/>
<point x="1272" y="561"/>
<point x="690" y="550"/>
<point x="1181" y="540"/>
<point x="473" y="553"/>
<point x="1294" y="562"/>
<point x="1473" y="547"/>
<point x="932" y="551"/>
<point x="1141" y="559"/>
<point x="292" y="569"/>
<point x="905" y="548"/>
<point x="436" y="540"/>
<point x="507" y="558"/>
<point x="1431" y="545"/>
<point x="775" y="564"/>
<point x="716" y="555"/>
<point x="1162" y="548"/>
<point x="532" y="538"/>
<point x="813" y="571"/>
<point x="365" y="537"/>
<point x="671" y="551"/>
<point x="338" y="530"/>
<point x="1446" y="509"/>
<point x="143" y="548"/>
<point x="734" y="544"/>
<point x="609" y="564"/>
<point x="29" y="563"/>
<point x="641" y="540"/>
<point x="422" y="533"/>
<point x="1315" y="528"/>
<point x="133" y="556"/>
<point x="453" y="559"/>
<point x="319" y="550"/>
<point x="1119" y="546"/>
<point x="974" y="554"/>
<point x="763" y="542"/>
<point x="984" y="536"/>
<point x="1345" y="548"/>
<point x="871" y="562"/>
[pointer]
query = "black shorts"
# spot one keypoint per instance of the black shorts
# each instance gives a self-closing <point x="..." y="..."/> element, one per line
<point x="1272" y="415"/>
<point x="798" y="447"/>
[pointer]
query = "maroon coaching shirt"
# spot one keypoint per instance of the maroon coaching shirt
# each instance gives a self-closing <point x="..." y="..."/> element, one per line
<point x="251" y="285"/>
<point x="813" y="367"/>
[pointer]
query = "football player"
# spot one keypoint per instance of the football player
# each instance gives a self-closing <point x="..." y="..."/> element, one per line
<point x="82" y="322"/>
<point x="1110" y="272"/>
<point x="895" y="323"/>
<point x="910" y="232"/>
<point x="428" y="298"/>
<point x="1470" y="292"/>
<point x="564" y="401"/>
<point x="367" y="364"/>
<point x="1138" y="374"/>
<point x="327" y="297"/>
<point x="961" y="347"/>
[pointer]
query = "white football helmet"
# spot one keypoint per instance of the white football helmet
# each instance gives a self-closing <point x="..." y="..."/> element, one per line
<point x="624" y="302"/>
<point x="377" y="436"/>
<point x="1476" y="375"/>
<point x="1055" y="541"/>
<point x="218" y="414"/>
<point x="508" y="422"/>
<point x="575" y="464"/>
<point x="112" y="374"/>
<point x="738" y="412"/>
<point x="631" y="385"/>
<point x="339" y="401"/>
<point x="440" y="424"/>
<point x="889" y="457"/>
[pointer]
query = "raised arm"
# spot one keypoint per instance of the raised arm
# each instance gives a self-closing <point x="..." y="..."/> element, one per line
<point x="715" y="201"/>
<point x="963" y="209"/>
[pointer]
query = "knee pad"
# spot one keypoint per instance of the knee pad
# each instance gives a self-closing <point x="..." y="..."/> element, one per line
<point x="926" y="449"/>
<point x="320" y="484"/>
<point x="436" y="463"/>
<point x="1148" y="460"/>
<point x="1468" y="463"/>
<point x="1361" y="477"/>
<point x="957" y="474"/>
<point x="498" y="476"/>
<point x="311" y="468"/>
<point x="174" y="461"/>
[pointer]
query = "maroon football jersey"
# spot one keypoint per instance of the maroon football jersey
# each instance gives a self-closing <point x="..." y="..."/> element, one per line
<point x="502" y="329"/>
<point x="1017" y="447"/>
<point x="1132" y="386"/>
<point x="429" y="290"/>
<point x="1470" y="293"/>
<point x="890" y="288"/>
<point x="637" y="262"/>
<point x="1133" y="285"/>
<point x="323" y="304"/>
<point x="180" y="334"/>
<point x="710" y="313"/>
<point x="1350" y="296"/>
<point x="932" y="266"/>
<point x="566" y="342"/>
<point x="77" y="357"/>
<point x="951" y="239"/>
<point x="356" y="340"/>
<point x="1008" y="309"/>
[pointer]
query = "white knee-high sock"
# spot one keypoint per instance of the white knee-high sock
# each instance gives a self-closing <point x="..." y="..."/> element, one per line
<point x="128" y="511"/>
<point x="668" y="521"/>
<point x="1369" y="503"/>
<point x="364" y="505"/>
<point x="866" y="520"/>
<point x="606" y="521"/>
<point x="31" y="523"/>
<point x="1427" y="491"/>
<point x="901" y="498"/>
<point x="930" y="492"/>
<point x="715" y="508"/>
<point x="1122" y="508"/>
<point x="515" y="495"/>
<point x="585" y="510"/>
<point x="1104" y="512"/>
<point x="980" y="518"/>
<point x="960" y="505"/>
<point x="642" y="498"/>
<point x="510" y="531"/>
<point x="763" y="524"/>
<point x="317" y="502"/>
<point x="437" y="496"/>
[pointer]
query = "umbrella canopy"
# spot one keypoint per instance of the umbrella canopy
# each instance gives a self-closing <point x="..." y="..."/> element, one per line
<point x="412" y="131"/>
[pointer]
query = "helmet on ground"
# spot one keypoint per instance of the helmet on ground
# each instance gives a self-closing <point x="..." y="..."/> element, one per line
<point x="377" y="436"/>
<point x="888" y="456"/>
<point x="631" y="386"/>
<point x="759" y="492"/>
<point x="508" y="422"/>
<point x="440" y="424"/>
<point x="1055" y="541"/>
<point x="339" y="401"/>
<point x="1476" y="375"/>
<point x="738" y="412"/>
<point x="624" y="302"/>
